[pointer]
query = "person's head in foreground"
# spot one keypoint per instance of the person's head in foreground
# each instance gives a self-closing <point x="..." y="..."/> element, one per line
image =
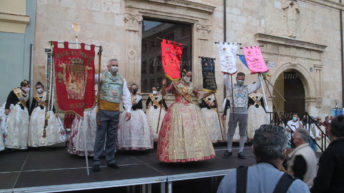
<point x="300" y="136"/>
<point x="337" y="127"/>
<point x="270" y="144"/>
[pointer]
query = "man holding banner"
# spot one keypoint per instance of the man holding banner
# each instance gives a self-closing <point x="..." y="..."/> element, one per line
<point x="238" y="111"/>
<point x="113" y="91"/>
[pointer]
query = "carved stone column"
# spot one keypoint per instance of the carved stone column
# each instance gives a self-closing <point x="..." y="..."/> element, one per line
<point x="131" y="59"/>
<point x="202" y="47"/>
<point x="318" y="80"/>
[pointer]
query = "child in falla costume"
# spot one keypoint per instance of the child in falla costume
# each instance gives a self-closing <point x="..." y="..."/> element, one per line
<point x="45" y="127"/>
<point x="256" y="114"/>
<point x="156" y="110"/>
<point x="184" y="136"/>
<point x="135" y="134"/>
<point x="18" y="116"/>
<point x="210" y="116"/>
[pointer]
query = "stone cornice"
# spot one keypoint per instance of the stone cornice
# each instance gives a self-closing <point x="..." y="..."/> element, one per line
<point x="13" y="22"/>
<point x="328" y="3"/>
<point x="197" y="6"/>
<point x="266" y="38"/>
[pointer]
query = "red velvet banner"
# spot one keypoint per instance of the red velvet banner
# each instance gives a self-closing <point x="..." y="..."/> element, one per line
<point x="74" y="78"/>
<point x="171" y="53"/>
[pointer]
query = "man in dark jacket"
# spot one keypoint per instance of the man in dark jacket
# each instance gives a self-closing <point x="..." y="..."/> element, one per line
<point x="330" y="177"/>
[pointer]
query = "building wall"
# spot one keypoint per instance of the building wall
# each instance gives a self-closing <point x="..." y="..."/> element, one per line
<point x="17" y="25"/>
<point x="311" y="46"/>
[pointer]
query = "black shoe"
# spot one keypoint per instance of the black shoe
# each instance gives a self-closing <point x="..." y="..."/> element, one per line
<point x="113" y="165"/>
<point x="96" y="168"/>
<point x="241" y="155"/>
<point x="226" y="155"/>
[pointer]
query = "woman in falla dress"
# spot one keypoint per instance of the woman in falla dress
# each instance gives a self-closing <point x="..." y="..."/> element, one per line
<point x="17" y="127"/>
<point x="156" y="110"/>
<point x="210" y="115"/>
<point x="45" y="127"/>
<point x="183" y="136"/>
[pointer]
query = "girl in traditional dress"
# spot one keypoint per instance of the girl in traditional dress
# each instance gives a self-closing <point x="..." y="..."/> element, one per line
<point x="184" y="136"/>
<point x="16" y="108"/>
<point x="46" y="127"/>
<point x="155" y="112"/>
<point x="134" y="134"/>
<point x="210" y="115"/>
<point x="256" y="114"/>
<point x="83" y="133"/>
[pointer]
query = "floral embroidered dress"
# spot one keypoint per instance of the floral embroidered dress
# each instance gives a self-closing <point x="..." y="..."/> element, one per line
<point x="184" y="136"/>
<point x="83" y="133"/>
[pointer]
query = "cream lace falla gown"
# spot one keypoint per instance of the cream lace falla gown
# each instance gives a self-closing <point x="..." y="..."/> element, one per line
<point x="256" y="114"/>
<point x="154" y="108"/>
<point x="135" y="133"/>
<point x="184" y="136"/>
<point x="211" y="118"/>
<point x="45" y="127"/>
<point x="16" y="132"/>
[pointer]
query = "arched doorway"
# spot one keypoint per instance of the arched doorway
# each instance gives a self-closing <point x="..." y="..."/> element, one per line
<point x="289" y="84"/>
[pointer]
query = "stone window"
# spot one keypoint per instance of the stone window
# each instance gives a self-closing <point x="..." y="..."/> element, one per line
<point x="152" y="31"/>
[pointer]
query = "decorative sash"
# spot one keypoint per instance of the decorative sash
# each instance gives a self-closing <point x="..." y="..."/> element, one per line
<point x="21" y="97"/>
<point x="155" y="102"/>
<point x="41" y="100"/>
<point x="183" y="90"/>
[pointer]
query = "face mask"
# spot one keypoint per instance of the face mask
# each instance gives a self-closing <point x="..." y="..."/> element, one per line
<point x="27" y="90"/>
<point x="155" y="92"/>
<point x="40" y="90"/>
<point x="329" y="121"/>
<point x="114" y="69"/>
<point x="134" y="91"/>
<point x="186" y="79"/>
<point x="294" y="119"/>
<point x="240" y="82"/>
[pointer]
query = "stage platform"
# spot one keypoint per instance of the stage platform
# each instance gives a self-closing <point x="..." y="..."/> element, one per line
<point x="54" y="170"/>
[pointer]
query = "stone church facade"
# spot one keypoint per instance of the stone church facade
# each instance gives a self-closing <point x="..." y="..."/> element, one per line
<point x="299" y="37"/>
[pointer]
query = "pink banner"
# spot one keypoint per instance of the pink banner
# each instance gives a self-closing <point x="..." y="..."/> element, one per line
<point x="255" y="60"/>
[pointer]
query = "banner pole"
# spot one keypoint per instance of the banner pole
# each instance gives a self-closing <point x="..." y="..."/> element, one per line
<point x="157" y="127"/>
<point x="232" y="105"/>
<point x="275" y="89"/>
<point x="273" y="105"/>
<point x="261" y="83"/>
<point x="161" y="106"/>
<point x="99" y="68"/>
<point x="218" y="116"/>
<point x="85" y="147"/>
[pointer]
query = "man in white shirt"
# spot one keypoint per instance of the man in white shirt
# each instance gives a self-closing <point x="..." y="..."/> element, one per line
<point x="292" y="125"/>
